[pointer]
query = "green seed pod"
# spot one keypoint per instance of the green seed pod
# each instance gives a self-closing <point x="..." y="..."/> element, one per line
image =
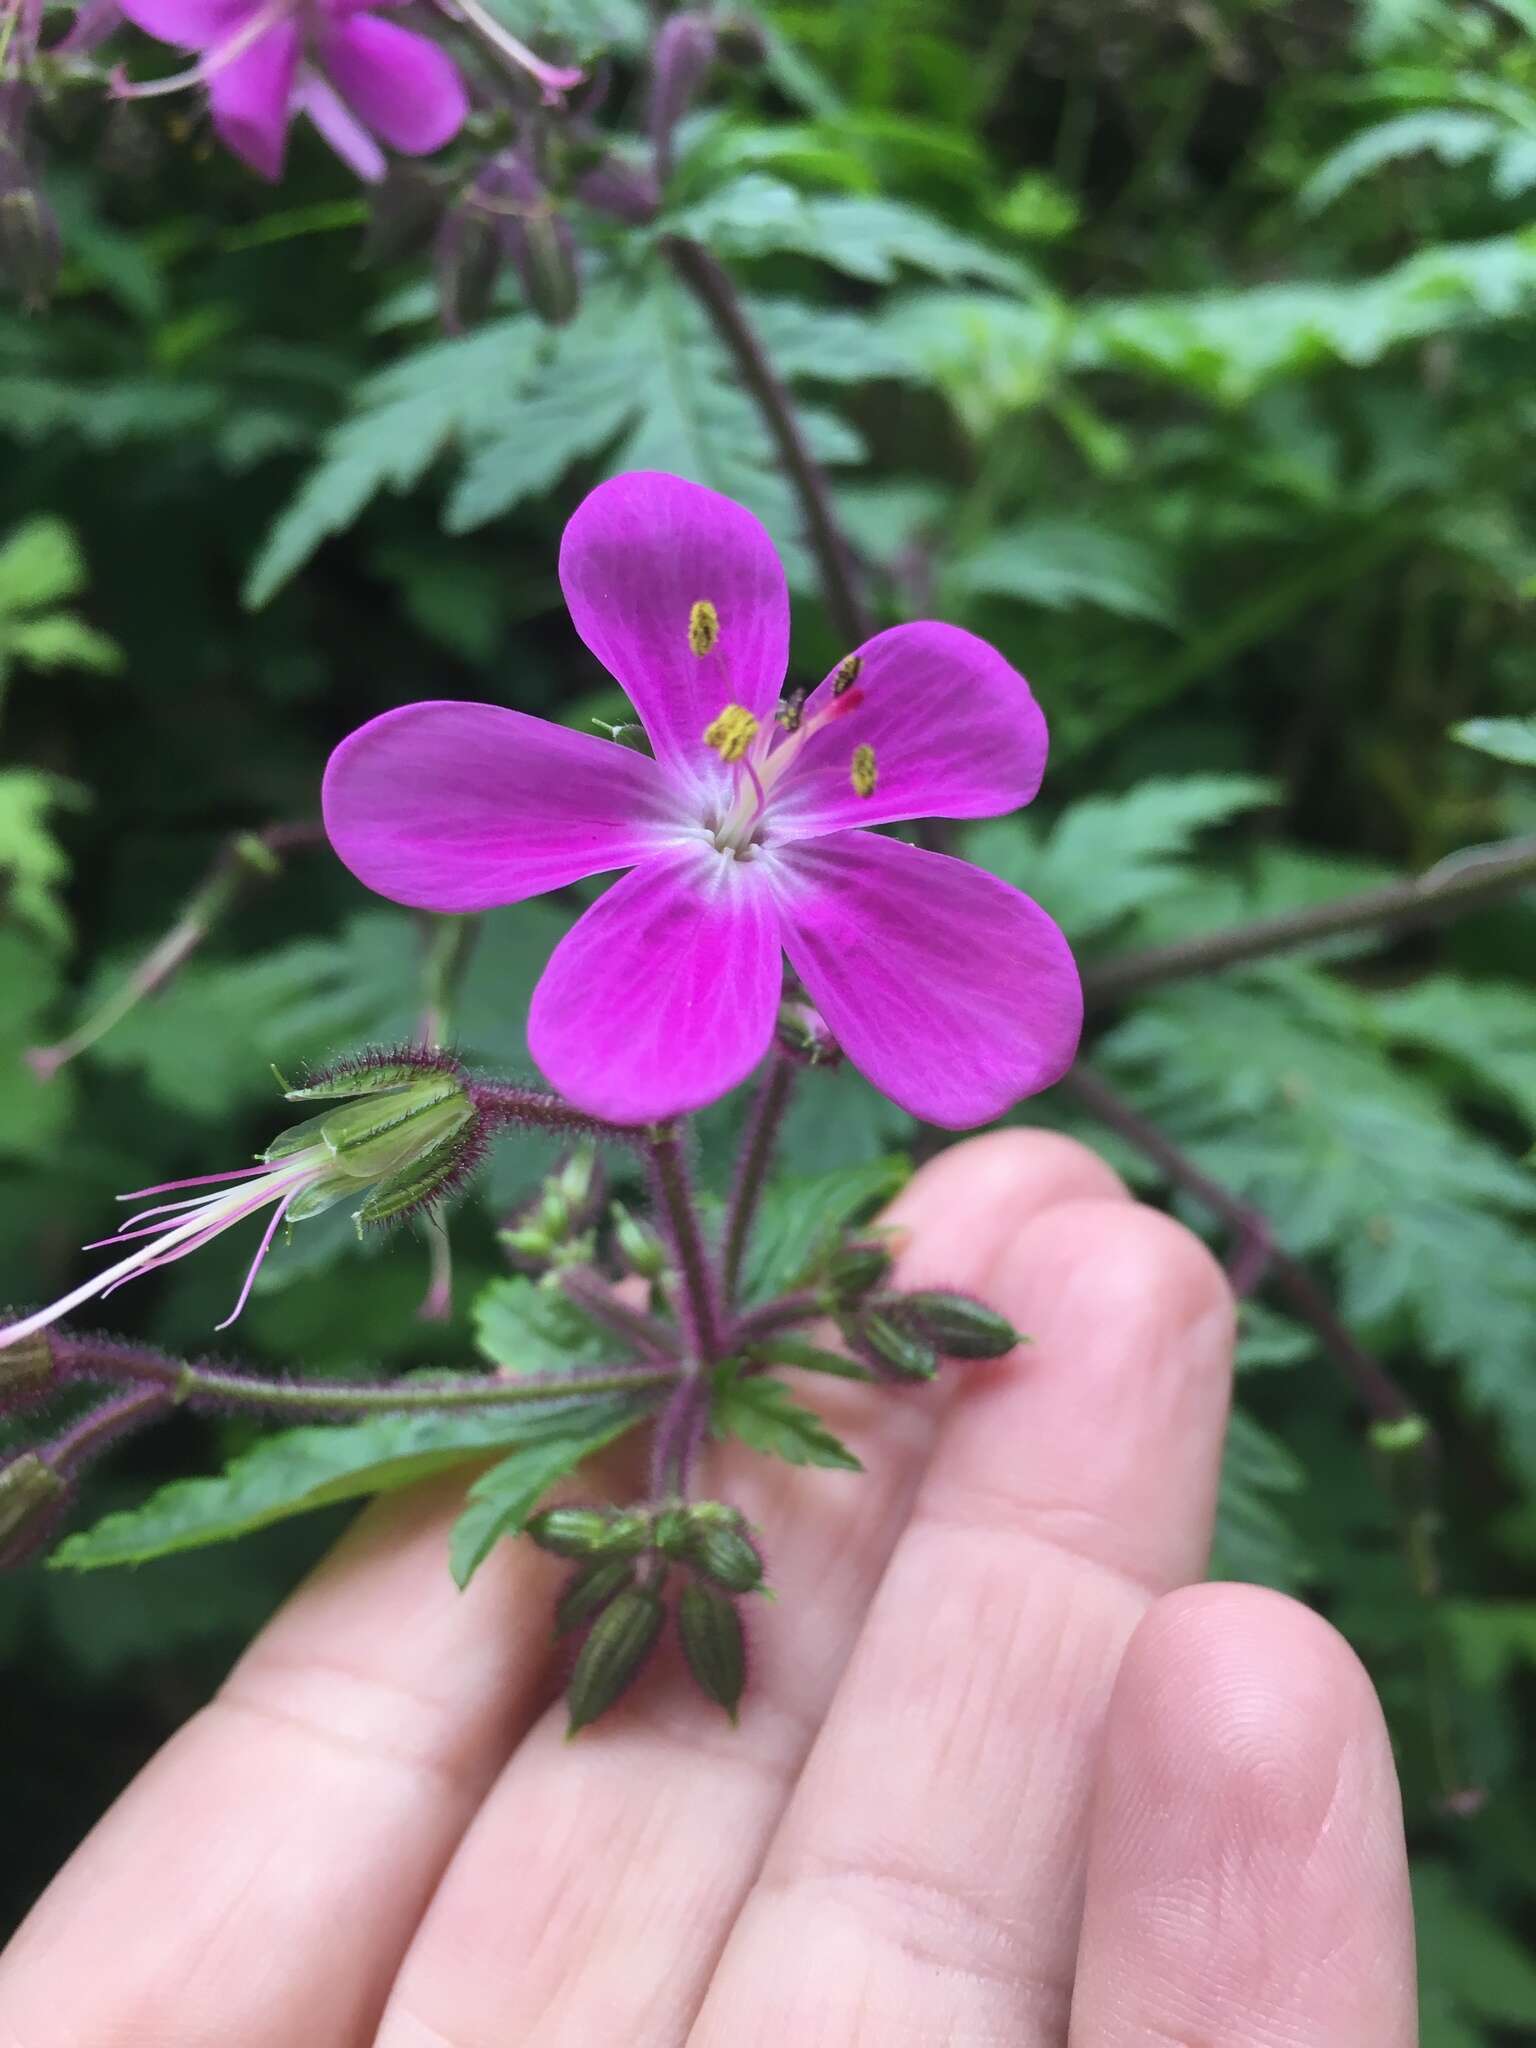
<point x="710" y="1629"/>
<point x="622" y="1637"/>
<point x="590" y="1532"/>
<point x="954" y="1324"/>
<point x="27" y="1486"/>
<point x="642" y="1249"/>
<point x="728" y="1556"/>
<point x="857" y="1269"/>
<point x="894" y="1349"/>
<point x="589" y="1590"/>
<point x="672" y="1532"/>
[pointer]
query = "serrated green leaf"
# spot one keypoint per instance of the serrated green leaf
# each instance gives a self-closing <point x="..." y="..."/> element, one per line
<point x="1507" y="739"/>
<point x="801" y="1218"/>
<point x="501" y="1500"/>
<point x="1110" y="856"/>
<point x="1449" y="133"/>
<point x="1060" y="563"/>
<point x="522" y="1327"/>
<point x="60" y="641"/>
<point x="33" y="865"/>
<point x="868" y="238"/>
<point x="303" y="1469"/>
<point x="40" y="564"/>
<point x="764" y="1415"/>
<point x="1253" y="1539"/>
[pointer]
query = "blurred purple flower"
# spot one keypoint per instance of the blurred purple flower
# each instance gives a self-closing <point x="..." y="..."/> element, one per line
<point x="953" y="992"/>
<point x="361" y="80"/>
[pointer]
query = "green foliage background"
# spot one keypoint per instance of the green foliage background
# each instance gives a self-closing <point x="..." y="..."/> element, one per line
<point x="1185" y="353"/>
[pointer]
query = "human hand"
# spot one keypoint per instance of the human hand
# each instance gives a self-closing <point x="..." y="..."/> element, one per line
<point x="997" y="1779"/>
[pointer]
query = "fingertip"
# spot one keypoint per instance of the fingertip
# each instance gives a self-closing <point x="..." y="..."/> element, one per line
<point x="1247" y="1872"/>
<point x="967" y="1203"/>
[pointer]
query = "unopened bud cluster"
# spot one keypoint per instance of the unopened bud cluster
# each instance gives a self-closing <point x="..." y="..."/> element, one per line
<point x="624" y="1559"/>
<point x="555" y="1229"/>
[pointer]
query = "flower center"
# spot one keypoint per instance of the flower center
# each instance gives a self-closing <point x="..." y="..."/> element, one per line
<point x="763" y="755"/>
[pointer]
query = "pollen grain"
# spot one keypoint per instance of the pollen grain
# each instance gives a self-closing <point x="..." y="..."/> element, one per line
<point x="703" y="627"/>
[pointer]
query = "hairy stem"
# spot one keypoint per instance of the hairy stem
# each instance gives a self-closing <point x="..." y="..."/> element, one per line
<point x="98" y="1430"/>
<point x="783" y="1314"/>
<point x="243" y="858"/>
<point x="1258" y="1254"/>
<point x="710" y="284"/>
<point x="1477" y="875"/>
<point x="503" y="1102"/>
<point x="698" y="1306"/>
<point x="675" y="1443"/>
<point x="597" y="1300"/>
<point x="165" y="1379"/>
<point x="757" y="1148"/>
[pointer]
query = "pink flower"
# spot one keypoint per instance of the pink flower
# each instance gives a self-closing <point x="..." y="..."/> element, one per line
<point x="361" y="80"/>
<point x="955" y="994"/>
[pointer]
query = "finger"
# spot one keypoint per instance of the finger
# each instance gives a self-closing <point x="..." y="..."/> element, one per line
<point x="928" y="1874"/>
<point x="1247" y="1878"/>
<point x="258" y="1883"/>
<point x="611" y="1873"/>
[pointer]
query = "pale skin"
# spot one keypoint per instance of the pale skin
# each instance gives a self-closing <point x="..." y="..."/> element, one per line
<point x="1007" y="1776"/>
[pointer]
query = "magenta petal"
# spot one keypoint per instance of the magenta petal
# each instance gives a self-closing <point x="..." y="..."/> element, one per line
<point x="950" y="990"/>
<point x="400" y="85"/>
<point x="664" y="995"/>
<point x="194" y="24"/>
<point x="955" y="730"/>
<point x="251" y="99"/>
<point x="638" y="554"/>
<point x="457" y="807"/>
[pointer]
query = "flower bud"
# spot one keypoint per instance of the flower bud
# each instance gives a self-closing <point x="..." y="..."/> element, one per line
<point x="954" y="1324"/>
<point x="407" y="1134"/>
<point x="623" y="191"/>
<point x="641" y="1248"/>
<point x="712" y="1640"/>
<point x="856" y="1270"/>
<point x="466" y="257"/>
<point x="805" y="1034"/>
<point x="727" y="1555"/>
<point x="28" y="1371"/>
<point x="890" y="1348"/>
<point x="590" y="1532"/>
<point x="621" y="1639"/>
<point x="30" y="1491"/>
<point x="741" y="41"/>
<point x="589" y="1590"/>
<point x="684" y="53"/>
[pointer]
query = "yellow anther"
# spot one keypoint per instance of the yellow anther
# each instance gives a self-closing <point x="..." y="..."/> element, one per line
<point x="791" y="713"/>
<point x="863" y="774"/>
<point x="703" y="627"/>
<point x="846" y="674"/>
<point x="732" y="732"/>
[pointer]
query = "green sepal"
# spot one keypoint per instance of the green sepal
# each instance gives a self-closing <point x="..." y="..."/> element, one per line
<point x="589" y="1590"/>
<point x="897" y="1349"/>
<point x="621" y="1639"/>
<point x="711" y="1634"/>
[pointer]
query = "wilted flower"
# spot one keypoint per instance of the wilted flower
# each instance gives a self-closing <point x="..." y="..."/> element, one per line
<point x="406" y="1133"/>
<point x="953" y="992"/>
<point x="360" y="79"/>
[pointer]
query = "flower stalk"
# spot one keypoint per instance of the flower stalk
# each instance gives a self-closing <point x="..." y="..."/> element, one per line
<point x="764" y="1123"/>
